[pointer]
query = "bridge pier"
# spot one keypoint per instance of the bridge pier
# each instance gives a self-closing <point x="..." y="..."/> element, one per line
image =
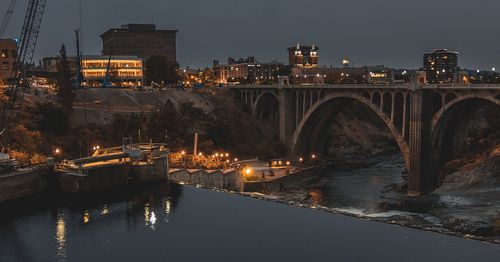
<point x="419" y="181"/>
<point x="286" y="123"/>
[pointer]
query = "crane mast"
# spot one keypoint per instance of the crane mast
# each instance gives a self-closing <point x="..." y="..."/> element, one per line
<point x="25" y="52"/>
<point x="6" y="19"/>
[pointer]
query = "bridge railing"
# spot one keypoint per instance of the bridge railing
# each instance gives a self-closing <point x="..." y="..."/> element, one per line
<point x="372" y="86"/>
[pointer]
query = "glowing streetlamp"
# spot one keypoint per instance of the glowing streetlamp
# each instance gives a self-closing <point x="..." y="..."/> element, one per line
<point x="313" y="156"/>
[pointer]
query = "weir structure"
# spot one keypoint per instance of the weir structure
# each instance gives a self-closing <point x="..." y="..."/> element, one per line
<point x="422" y="118"/>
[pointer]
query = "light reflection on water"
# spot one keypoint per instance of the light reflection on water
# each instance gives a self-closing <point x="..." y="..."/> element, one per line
<point x="162" y="223"/>
<point x="61" y="237"/>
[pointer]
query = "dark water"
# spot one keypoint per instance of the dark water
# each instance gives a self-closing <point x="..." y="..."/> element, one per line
<point x="358" y="189"/>
<point x="175" y="223"/>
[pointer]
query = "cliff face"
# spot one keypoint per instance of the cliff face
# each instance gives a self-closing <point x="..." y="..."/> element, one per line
<point x="98" y="106"/>
<point x="356" y="132"/>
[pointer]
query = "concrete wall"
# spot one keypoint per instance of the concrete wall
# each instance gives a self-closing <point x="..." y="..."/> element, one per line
<point x="228" y="179"/>
<point x="21" y="184"/>
<point x="99" y="178"/>
<point x="156" y="171"/>
<point x="294" y="180"/>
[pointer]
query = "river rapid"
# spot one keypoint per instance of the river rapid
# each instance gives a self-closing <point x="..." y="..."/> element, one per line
<point x="372" y="189"/>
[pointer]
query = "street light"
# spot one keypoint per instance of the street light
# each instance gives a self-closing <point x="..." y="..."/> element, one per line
<point x="313" y="156"/>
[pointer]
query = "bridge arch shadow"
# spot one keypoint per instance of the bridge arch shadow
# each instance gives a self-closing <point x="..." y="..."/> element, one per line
<point x="266" y="108"/>
<point x="446" y="125"/>
<point x="311" y="132"/>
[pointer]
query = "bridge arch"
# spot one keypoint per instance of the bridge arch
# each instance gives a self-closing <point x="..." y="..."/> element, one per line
<point x="261" y="100"/>
<point x="445" y="125"/>
<point x="266" y="108"/>
<point x="305" y="125"/>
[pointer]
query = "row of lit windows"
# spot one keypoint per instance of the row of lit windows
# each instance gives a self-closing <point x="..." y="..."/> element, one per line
<point x="119" y="73"/>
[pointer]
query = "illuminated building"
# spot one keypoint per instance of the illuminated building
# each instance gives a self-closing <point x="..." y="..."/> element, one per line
<point x="344" y="75"/>
<point x="8" y="49"/>
<point x="441" y="66"/>
<point x="142" y="40"/>
<point x="125" y="71"/>
<point x="303" y="56"/>
<point x="247" y="71"/>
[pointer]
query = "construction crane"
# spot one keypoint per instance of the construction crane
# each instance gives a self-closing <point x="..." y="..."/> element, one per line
<point x="6" y="18"/>
<point x="25" y="53"/>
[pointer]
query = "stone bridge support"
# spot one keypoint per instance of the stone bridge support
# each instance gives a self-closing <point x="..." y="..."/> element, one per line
<point x="420" y="120"/>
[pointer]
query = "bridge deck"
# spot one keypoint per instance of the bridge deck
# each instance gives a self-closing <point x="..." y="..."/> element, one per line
<point x="370" y="86"/>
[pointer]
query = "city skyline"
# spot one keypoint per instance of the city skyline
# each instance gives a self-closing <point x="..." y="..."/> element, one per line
<point x="368" y="32"/>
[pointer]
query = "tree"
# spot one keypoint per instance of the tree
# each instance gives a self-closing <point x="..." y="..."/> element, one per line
<point x="160" y="70"/>
<point x="65" y="91"/>
<point x="52" y="120"/>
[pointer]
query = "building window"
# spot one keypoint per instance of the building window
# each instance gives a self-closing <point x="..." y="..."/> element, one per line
<point x="5" y="66"/>
<point x="5" y="53"/>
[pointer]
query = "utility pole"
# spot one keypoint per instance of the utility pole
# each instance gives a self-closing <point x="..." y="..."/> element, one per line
<point x="195" y="151"/>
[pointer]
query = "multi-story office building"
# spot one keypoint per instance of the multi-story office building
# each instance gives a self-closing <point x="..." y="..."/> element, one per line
<point x="8" y="52"/>
<point x="303" y="56"/>
<point x="124" y="71"/>
<point x="142" y="40"/>
<point x="246" y="70"/>
<point x="441" y="66"/>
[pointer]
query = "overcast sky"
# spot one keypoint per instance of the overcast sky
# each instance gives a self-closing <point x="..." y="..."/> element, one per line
<point x="369" y="32"/>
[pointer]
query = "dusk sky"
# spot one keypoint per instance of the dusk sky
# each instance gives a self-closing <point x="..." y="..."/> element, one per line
<point x="370" y="32"/>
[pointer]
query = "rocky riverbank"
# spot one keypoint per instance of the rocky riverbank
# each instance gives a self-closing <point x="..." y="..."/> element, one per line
<point x="467" y="204"/>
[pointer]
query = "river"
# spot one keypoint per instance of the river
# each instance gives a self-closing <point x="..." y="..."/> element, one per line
<point x="179" y="223"/>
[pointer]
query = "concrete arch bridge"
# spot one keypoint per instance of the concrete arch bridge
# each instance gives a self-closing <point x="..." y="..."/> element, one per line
<point x="421" y="118"/>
